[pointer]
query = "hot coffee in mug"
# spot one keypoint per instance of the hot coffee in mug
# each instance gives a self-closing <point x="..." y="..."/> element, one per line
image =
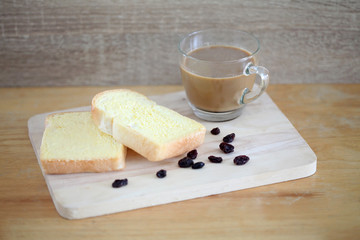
<point x="218" y="70"/>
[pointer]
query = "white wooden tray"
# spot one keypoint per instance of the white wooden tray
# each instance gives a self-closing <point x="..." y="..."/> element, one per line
<point x="277" y="153"/>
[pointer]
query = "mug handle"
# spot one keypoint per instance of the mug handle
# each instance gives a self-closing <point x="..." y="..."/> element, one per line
<point x="264" y="82"/>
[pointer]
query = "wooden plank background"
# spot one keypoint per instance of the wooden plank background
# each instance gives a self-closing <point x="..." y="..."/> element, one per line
<point x="120" y="42"/>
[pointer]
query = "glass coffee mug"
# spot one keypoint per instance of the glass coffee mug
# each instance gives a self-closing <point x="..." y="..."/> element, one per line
<point x="219" y="72"/>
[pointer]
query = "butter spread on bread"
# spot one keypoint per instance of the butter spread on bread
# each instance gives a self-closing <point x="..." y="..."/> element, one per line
<point x="152" y="130"/>
<point x="72" y="143"/>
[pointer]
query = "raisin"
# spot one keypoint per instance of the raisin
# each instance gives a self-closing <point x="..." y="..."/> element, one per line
<point x="241" y="160"/>
<point x="214" y="159"/>
<point x="120" y="183"/>
<point x="226" y="147"/>
<point x="161" y="173"/>
<point x="198" y="165"/>
<point x="192" y="154"/>
<point x="229" y="138"/>
<point x="215" y="131"/>
<point x="185" y="162"/>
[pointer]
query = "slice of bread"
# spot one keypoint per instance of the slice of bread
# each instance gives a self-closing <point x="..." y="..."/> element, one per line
<point x="153" y="131"/>
<point x="72" y="143"/>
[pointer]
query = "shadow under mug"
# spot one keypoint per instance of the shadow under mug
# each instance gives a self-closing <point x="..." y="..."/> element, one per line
<point x="219" y="72"/>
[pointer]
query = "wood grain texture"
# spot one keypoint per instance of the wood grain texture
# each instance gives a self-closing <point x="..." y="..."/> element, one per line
<point x="324" y="206"/>
<point x="67" y="43"/>
<point x="277" y="154"/>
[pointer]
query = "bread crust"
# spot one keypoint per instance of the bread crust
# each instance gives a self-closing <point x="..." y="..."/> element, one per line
<point x="134" y="140"/>
<point x="99" y="117"/>
<point x="79" y="166"/>
<point x="153" y="151"/>
<point x="104" y="123"/>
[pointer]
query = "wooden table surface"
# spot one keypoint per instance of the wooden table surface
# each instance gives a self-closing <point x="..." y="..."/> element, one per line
<point x="323" y="206"/>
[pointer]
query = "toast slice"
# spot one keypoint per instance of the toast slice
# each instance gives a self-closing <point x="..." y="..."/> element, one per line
<point x="72" y="143"/>
<point x="153" y="131"/>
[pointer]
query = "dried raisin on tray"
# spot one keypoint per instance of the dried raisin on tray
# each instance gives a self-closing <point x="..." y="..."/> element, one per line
<point x="192" y="154"/>
<point x="120" y="183"/>
<point x="198" y="165"/>
<point x="226" y="147"/>
<point x="161" y="173"/>
<point x="214" y="159"/>
<point x="215" y="131"/>
<point x="241" y="160"/>
<point x="185" y="162"/>
<point x="229" y="138"/>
